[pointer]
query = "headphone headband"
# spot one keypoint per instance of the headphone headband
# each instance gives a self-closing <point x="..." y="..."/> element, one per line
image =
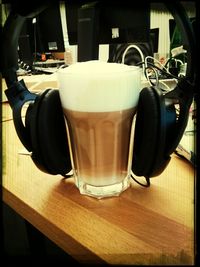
<point x="182" y="20"/>
<point x="11" y="32"/>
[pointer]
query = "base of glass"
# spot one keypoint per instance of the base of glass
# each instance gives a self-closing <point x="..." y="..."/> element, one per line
<point x="104" y="191"/>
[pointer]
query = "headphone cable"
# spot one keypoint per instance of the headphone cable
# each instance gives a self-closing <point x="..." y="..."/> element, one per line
<point x="144" y="185"/>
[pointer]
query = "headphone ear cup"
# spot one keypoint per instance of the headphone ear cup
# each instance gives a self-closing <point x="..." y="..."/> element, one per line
<point x="48" y="134"/>
<point x="149" y="137"/>
<point x="28" y="119"/>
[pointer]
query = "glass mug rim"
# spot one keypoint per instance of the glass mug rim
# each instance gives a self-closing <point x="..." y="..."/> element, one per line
<point x="128" y="68"/>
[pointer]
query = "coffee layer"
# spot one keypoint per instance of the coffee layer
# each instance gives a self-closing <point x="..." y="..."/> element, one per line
<point x="100" y="144"/>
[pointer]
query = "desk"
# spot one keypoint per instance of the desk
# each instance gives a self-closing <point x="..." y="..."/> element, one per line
<point x="142" y="226"/>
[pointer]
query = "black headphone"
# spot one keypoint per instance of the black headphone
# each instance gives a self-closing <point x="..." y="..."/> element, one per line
<point x="158" y="128"/>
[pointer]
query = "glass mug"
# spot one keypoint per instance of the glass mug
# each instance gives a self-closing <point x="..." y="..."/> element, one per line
<point x="99" y="101"/>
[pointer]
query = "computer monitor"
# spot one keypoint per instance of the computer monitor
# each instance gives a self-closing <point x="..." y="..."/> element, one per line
<point x="25" y="51"/>
<point x="132" y="21"/>
<point x="49" y="34"/>
<point x="106" y="23"/>
<point x="42" y="34"/>
<point x="154" y="39"/>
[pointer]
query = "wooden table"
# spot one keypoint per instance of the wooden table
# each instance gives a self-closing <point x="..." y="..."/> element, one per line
<point x="142" y="226"/>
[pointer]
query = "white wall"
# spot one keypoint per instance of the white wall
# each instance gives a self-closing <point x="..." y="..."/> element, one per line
<point x="160" y="19"/>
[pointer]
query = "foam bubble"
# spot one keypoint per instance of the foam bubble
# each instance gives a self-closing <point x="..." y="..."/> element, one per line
<point x="97" y="86"/>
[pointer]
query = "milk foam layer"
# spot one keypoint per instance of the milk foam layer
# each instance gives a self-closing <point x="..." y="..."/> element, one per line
<point x="96" y="86"/>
